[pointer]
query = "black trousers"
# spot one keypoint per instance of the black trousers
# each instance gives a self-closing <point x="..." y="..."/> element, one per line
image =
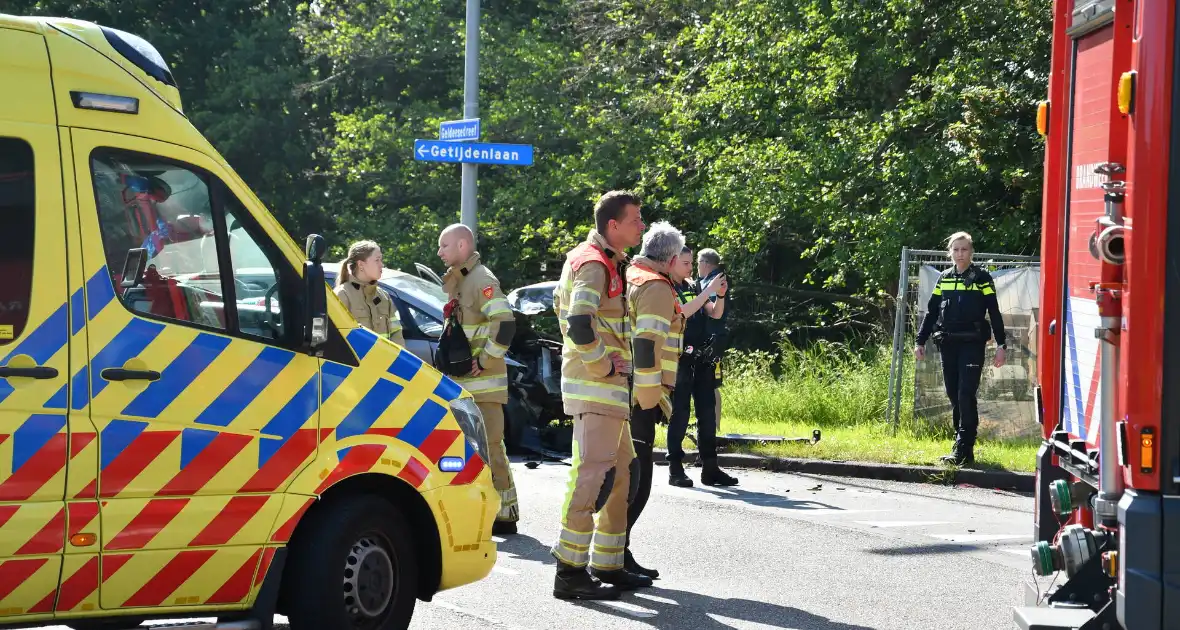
<point x="643" y="435"/>
<point x="962" y="366"/>
<point x="694" y="383"/>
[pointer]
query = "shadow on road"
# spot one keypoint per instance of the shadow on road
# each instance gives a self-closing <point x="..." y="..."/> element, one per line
<point x="781" y="501"/>
<point x="933" y="549"/>
<point x="697" y="611"/>
<point x="526" y="548"/>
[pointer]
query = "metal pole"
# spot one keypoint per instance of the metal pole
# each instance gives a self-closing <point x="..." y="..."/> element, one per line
<point x="901" y="282"/>
<point x="905" y="268"/>
<point x="470" y="110"/>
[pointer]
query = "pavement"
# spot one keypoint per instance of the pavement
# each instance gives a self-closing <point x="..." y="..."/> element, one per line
<point x="781" y="550"/>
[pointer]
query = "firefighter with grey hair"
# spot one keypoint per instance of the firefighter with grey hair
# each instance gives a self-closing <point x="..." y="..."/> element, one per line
<point x="656" y="324"/>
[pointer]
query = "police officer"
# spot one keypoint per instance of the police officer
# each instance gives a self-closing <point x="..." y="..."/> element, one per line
<point x="356" y="286"/>
<point x="964" y="296"/>
<point x="595" y="373"/>
<point x="708" y="270"/>
<point x="695" y="383"/>
<point x="656" y="324"/>
<point x="489" y="326"/>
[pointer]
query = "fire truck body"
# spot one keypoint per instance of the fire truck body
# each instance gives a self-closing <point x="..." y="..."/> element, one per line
<point x="1107" y="491"/>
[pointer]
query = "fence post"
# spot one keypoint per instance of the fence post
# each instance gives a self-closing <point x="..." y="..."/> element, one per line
<point x="898" y="333"/>
<point x="903" y="291"/>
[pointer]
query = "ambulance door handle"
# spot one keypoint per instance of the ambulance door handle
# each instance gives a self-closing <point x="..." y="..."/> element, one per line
<point x="119" y="374"/>
<point x="29" y="372"/>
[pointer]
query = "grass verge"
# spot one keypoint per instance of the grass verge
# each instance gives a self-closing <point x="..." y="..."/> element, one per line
<point x="842" y="391"/>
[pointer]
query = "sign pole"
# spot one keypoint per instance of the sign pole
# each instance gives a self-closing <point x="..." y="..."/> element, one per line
<point x="470" y="110"/>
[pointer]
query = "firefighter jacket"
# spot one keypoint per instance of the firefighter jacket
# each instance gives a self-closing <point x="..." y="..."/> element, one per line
<point x="373" y="308"/>
<point x="592" y="313"/>
<point x="488" y="323"/>
<point x="958" y="305"/>
<point x="656" y="325"/>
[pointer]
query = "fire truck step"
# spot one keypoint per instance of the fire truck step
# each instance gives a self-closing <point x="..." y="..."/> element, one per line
<point x="1046" y="618"/>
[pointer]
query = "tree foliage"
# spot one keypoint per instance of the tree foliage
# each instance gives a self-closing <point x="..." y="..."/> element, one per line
<point x="807" y="140"/>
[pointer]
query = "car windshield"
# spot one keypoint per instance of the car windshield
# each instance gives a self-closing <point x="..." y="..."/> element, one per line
<point x="422" y="290"/>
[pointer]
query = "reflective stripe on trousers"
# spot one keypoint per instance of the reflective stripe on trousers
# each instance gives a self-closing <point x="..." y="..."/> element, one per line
<point x="607" y="552"/>
<point x="573" y="547"/>
<point x="593" y="391"/>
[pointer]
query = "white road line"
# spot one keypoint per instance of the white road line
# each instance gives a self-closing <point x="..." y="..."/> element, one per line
<point x="658" y="599"/>
<point x="639" y="612"/>
<point x="903" y="523"/>
<point x="977" y="537"/>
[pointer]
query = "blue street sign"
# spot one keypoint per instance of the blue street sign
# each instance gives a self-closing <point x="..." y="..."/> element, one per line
<point x="473" y="153"/>
<point x="459" y="130"/>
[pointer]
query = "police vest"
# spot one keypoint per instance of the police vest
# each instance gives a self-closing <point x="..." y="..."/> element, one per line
<point x="962" y="301"/>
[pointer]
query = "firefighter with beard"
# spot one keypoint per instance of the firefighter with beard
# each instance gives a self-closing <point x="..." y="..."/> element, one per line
<point x="489" y="326"/>
<point x="595" y="385"/>
<point x="656" y="326"/>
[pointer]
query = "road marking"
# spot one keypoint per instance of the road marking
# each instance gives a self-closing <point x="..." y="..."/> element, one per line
<point x="977" y="537"/>
<point x="658" y="599"/>
<point x="504" y="571"/>
<point x="903" y="523"/>
<point x="639" y="612"/>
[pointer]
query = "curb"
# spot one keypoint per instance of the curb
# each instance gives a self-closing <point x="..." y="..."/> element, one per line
<point x="997" y="479"/>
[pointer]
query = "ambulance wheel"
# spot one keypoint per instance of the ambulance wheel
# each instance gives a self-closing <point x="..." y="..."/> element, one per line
<point x="352" y="568"/>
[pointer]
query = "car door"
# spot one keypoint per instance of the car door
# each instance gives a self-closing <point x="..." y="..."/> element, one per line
<point x="35" y="324"/>
<point x="204" y="408"/>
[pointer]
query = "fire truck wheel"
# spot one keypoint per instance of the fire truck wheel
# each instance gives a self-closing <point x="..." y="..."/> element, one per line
<point x="352" y="568"/>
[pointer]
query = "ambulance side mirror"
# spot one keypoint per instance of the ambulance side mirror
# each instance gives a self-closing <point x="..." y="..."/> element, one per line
<point x="315" y="315"/>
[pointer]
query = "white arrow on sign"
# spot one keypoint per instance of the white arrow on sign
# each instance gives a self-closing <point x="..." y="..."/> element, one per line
<point x="421" y="151"/>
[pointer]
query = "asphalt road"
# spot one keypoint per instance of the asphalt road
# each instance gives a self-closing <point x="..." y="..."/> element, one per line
<point x="785" y="551"/>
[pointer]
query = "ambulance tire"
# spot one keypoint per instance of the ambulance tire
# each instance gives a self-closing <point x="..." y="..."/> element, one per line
<point x="344" y="558"/>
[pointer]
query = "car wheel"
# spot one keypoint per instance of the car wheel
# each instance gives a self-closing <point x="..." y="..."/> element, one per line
<point x="352" y="568"/>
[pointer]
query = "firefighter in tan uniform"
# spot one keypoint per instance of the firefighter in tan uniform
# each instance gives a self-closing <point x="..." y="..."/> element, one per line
<point x="595" y="374"/>
<point x="489" y="326"/>
<point x="356" y="286"/>
<point x="656" y="328"/>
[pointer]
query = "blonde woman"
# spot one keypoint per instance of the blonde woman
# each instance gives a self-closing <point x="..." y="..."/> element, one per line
<point x="356" y="286"/>
<point x="955" y="316"/>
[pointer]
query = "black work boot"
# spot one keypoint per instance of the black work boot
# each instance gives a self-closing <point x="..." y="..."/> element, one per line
<point x="575" y="583"/>
<point x="676" y="476"/>
<point x="623" y="579"/>
<point x="962" y="454"/>
<point x="632" y="566"/>
<point x="503" y="528"/>
<point x="712" y="475"/>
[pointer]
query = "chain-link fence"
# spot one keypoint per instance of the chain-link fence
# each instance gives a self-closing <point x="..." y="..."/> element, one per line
<point x="1006" y="408"/>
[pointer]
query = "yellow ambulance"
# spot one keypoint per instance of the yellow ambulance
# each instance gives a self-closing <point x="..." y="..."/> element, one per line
<point x="189" y="425"/>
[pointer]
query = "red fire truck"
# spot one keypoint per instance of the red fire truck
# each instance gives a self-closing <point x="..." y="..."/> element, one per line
<point x="1108" y="482"/>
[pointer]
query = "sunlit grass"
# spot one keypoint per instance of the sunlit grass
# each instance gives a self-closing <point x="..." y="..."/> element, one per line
<point x="843" y="393"/>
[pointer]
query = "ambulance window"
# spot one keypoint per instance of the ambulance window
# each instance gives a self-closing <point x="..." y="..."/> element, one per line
<point x="156" y="219"/>
<point x="17" y="211"/>
<point x="259" y="303"/>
